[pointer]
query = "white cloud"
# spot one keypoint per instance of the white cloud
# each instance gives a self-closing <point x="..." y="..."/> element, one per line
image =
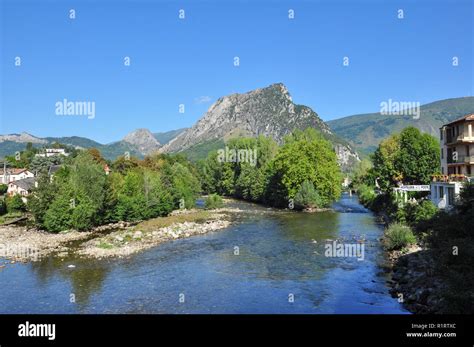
<point x="202" y="99"/>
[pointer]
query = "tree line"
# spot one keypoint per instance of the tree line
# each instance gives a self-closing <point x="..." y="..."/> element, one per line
<point x="301" y="173"/>
<point x="412" y="157"/>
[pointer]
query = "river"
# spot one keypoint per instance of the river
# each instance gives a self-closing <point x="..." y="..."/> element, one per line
<point x="266" y="262"/>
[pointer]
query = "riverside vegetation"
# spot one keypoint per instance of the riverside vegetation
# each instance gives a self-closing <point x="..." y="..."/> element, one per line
<point x="432" y="251"/>
<point x="81" y="195"/>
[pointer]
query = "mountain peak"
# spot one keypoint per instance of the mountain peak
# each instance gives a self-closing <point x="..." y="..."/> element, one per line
<point x="267" y="111"/>
<point x="143" y="140"/>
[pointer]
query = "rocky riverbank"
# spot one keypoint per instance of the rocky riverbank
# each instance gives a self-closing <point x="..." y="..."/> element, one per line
<point x="414" y="280"/>
<point x="123" y="243"/>
<point x="21" y="244"/>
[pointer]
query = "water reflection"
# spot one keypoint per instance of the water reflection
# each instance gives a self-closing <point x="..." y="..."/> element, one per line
<point x="85" y="277"/>
<point x="251" y="267"/>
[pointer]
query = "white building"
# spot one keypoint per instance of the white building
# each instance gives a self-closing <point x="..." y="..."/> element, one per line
<point x="14" y="174"/>
<point x="51" y="152"/>
<point x="444" y="192"/>
<point x="22" y="187"/>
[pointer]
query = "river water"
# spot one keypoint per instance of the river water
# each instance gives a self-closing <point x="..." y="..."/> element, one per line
<point x="266" y="262"/>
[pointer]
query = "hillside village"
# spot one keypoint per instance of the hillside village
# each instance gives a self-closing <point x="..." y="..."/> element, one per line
<point x="21" y="181"/>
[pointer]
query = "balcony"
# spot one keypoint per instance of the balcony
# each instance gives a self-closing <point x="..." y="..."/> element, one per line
<point x="451" y="140"/>
<point x="462" y="159"/>
<point x="468" y="159"/>
<point x="451" y="178"/>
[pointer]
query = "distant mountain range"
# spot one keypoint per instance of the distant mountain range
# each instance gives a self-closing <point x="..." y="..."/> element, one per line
<point x="138" y="143"/>
<point x="266" y="111"/>
<point x="365" y="131"/>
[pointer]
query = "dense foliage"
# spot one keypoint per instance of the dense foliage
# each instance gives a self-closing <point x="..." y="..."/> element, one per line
<point x="278" y="172"/>
<point x="450" y="237"/>
<point x="398" y="236"/>
<point x="307" y="197"/>
<point x="81" y="195"/>
<point x="213" y="201"/>
<point x="15" y="204"/>
<point x="410" y="157"/>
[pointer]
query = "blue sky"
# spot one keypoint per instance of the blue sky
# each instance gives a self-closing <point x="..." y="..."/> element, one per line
<point x="190" y="61"/>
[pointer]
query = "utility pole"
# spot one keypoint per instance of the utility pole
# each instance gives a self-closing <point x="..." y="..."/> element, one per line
<point x="4" y="172"/>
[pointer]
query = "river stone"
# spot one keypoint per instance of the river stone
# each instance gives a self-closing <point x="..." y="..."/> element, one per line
<point x="138" y="234"/>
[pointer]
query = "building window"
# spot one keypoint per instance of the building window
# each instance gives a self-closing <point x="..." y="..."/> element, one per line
<point x="442" y="153"/>
<point x="442" y="170"/>
<point x="450" y="196"/>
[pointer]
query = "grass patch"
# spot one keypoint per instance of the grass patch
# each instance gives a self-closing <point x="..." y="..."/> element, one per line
<point x="162" y="222"/>
<point x="213" y="201"/>
<point x="105" y="245"/>
<point x="398" y="236"/>
<point x="10" y="216"/>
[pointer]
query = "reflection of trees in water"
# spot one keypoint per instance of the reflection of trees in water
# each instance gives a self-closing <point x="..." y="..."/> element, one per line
<point x="85" y="279"/>
<point x="302" y="226"/>
<point x="281" y="247"/>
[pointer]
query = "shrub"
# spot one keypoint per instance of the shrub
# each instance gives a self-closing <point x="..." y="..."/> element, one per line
<point x="3" y="207"/>
<point x="15" y="204"/>
<point x="416" y="213"/>
<point x="3" y="189"/>
<point x="307" y="197"/>
<point x="213" y="201"/>
<point x="366" y="195"/>
<point x="398" y="236"/>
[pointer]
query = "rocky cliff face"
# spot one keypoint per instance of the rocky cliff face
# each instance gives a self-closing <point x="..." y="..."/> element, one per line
<point x="143" y="140"/>
<point x="267" y="111"/>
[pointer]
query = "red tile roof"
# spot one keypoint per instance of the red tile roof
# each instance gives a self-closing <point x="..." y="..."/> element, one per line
<point x="13" y="171"/>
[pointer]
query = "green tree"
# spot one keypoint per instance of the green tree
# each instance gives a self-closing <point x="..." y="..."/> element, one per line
<point x="307" y="197"/>
<point x="15" y="204"/>
<point x="83" y="215"/>
<point x="384" y="169"/>
<point x="419" y="156"/>
<point x="184" y="185"/>
<point x="58" y="216"/>
<point x="410" y="157"/>
<point x="41" y="198"/>
<point x="3" y="189"/>
<point x="3" y="206"/>
<point x="213" y="201"/>
<point x="41" y="165"/>
<point x="131" y="197"/>
<point x="304" y="156"/>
